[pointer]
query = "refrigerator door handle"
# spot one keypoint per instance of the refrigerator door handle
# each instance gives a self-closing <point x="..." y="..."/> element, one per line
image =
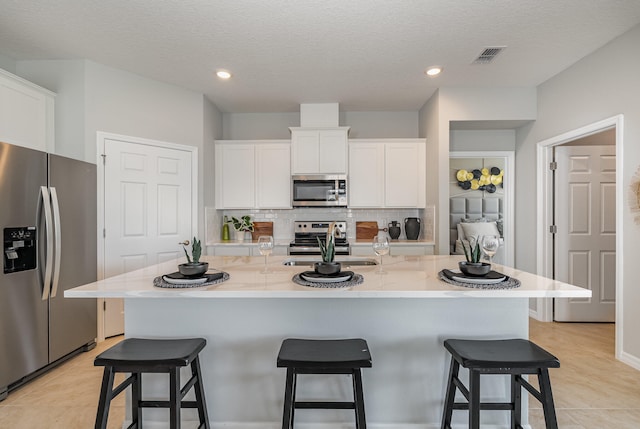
<point x="57" y="242"/>
<point x="48" y="224"/>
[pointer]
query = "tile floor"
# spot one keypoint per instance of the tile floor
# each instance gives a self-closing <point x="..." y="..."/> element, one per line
<point x="591" y="390"/>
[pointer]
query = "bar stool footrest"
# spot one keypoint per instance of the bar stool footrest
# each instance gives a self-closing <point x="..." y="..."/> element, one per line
<point x="325" y="405"/>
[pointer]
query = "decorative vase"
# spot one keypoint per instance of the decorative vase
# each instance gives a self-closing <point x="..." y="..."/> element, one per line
<point x="412" y="228"/>
<point x="327" y="268"/>
<point x="394" y="230"/>
<point x="193" y="269"/>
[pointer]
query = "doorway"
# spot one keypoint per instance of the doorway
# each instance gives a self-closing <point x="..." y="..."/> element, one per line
<point x="148" y="205"/>
<point x="506" y="162"/>
<point x="543" y="308"/>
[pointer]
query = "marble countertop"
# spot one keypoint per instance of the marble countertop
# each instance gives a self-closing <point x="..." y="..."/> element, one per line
<point x="407" y="277"/>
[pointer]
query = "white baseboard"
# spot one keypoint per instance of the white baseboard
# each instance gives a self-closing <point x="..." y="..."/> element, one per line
<point x="630" y="360"/>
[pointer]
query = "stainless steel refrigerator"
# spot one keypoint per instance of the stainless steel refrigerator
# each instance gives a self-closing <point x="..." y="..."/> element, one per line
<point x="48" y="223"/>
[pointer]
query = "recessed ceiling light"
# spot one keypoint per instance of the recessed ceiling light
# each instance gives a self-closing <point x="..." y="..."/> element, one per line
<point x="433" y="71"/>
<point x="223" y="74"/>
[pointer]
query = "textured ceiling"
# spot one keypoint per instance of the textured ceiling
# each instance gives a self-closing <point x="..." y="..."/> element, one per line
<point x="364" y="54"/>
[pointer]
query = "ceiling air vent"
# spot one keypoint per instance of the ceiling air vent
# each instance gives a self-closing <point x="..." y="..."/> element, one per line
<point x="488" y="54"/>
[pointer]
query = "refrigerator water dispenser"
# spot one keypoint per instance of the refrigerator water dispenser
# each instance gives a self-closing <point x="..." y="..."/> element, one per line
<point x="19" y="249"/>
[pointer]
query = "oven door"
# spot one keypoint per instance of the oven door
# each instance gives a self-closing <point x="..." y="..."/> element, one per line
<point x="318" y="191"/>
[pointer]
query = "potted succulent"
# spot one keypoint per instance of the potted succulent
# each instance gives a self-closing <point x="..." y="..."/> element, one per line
<point x="473" y="266"/>
<point x="193" y="267"/>
<point x="242" y="225"/>
<point x="328" y="252"/>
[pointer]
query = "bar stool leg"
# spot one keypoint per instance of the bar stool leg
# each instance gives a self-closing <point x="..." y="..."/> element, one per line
<point x="516" y="401"/>
<point x="174" y="398"/>
<point x="474" y="399"/>
<point x="454" y="368"/>
<point x="287" y="415"/>
<point x="361" y="422"/>
<point x="136" y="397"/>
<point x="200" y="400"/>
<point x="106" y="394"/>
<point x="547" y="399"/>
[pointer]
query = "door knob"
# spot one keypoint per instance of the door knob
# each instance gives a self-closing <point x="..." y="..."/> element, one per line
<point x="185" y="243"/>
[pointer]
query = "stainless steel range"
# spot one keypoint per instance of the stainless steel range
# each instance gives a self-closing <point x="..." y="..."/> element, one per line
<point x="306" y="233"/>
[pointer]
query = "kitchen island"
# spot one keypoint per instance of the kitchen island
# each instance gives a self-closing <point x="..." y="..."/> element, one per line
<point x="404" y="315"/>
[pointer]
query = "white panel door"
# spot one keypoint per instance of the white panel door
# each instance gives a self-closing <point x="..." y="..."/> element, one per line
<point x="585" y="243"/>
<point x="148" y="211"/>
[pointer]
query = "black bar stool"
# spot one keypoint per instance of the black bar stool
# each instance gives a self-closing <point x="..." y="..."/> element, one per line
<point x="513" y="356"/>
<point x="345" y="356"/>
<point x="138" y="356"/>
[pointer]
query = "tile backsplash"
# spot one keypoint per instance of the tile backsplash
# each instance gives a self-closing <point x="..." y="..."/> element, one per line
<point x="283" y="220"/>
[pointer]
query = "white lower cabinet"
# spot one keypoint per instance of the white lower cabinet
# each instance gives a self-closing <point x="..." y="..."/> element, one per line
<point x="26" y="113"/>
<point x="252" y="175"/>
<point x="387" y="173"/>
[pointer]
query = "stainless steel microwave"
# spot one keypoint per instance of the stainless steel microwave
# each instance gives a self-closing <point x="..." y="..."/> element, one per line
<point x="319" y="190"/>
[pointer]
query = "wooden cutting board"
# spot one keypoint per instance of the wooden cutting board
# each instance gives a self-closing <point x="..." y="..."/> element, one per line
<point x="366" y="230"/>
<point x="261" y="228"/>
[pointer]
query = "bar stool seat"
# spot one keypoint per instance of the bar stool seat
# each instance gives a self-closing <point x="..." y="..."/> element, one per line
<point x="513" y="356"/>
<point x="343" y="356"/>
<point x="138" y="356"/>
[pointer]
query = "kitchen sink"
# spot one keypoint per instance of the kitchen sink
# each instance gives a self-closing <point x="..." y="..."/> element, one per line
<point x="346" y="263"/>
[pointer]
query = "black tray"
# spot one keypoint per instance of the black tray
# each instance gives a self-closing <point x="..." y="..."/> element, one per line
<point x="312" y="276"/>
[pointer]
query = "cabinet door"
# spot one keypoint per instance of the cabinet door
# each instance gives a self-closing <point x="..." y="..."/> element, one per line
<point x="26" y="114"/>
<point x="235" y="176"/>
<point x="273" y="179"/>
<point x="366" y="175"/>
<point x="305" y="146"/>
<point x="333" y="151"/>
<point x="405" y="175"/>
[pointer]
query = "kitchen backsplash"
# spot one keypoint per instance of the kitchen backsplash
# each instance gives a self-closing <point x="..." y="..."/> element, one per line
<point x="283" y="220"/>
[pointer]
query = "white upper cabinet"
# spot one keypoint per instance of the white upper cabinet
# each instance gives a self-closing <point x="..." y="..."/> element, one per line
<point x="366" y="174"/>
<point x="26" y="113"/>
<point x="387" y="173"/>
<point x="252" y="174"/>
<point x="319" y="150"/>
<point x="273" y="180"/>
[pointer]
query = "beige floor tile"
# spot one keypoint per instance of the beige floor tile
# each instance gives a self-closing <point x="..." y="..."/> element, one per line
<point x="591" y="389"/>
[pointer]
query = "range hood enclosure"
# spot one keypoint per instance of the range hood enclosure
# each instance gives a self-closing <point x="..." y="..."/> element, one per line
<point x="319" y="115"/>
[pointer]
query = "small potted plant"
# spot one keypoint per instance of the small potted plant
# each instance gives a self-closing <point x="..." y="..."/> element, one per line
<point x="473" y="266"/>
<point x="242" y="226"/>
<point x="328" y="252"/>
<point x="193" y="267"/>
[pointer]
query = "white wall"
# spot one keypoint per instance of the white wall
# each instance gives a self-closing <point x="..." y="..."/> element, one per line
<point x="7" y="64"/>
<point x="599" y="86"/>
<point x="248" y="126"/>
<point x="482" y="140"/>
<point x="67" y="79"/>
<point x="258" y="126"/>
<point x="381" y="124"/>
<point x="93" y="97"/>
<point x="464" y="104"/>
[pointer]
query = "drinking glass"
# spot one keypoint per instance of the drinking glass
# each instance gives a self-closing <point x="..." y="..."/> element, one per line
<point x="265" y="246"/>
<point x="381" y="247"/>
<point x="490" y="244"/>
